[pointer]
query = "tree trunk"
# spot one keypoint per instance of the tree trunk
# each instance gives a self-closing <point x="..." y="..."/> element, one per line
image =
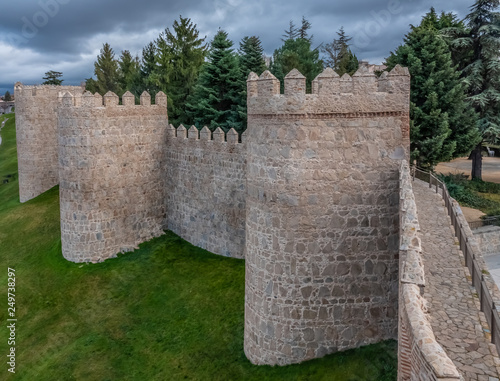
<point x="477" y="163"/>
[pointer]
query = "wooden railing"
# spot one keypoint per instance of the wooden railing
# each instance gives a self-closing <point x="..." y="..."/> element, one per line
<point x="478" y="281"/>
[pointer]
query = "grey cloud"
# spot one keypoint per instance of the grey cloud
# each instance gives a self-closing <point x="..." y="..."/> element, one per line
<point x="79" y="27"/>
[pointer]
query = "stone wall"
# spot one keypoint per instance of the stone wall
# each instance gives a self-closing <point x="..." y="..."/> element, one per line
<point x="420" y="357"/>
<point x="206" y="189"/>
<point x="36" y="134"/>
<point x="322" y="213"/>
<point x="488" y="239"/>
<point x="111" y="171"/>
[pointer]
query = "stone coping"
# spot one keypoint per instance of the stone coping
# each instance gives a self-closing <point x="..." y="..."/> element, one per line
<point x="412" y="283"/>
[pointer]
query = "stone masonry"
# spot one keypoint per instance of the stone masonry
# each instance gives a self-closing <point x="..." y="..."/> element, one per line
<point x="112" y="184"/>
<point x="322" y="213"/>
<point x="36" y="131"/>
<point x="309" y="195"/>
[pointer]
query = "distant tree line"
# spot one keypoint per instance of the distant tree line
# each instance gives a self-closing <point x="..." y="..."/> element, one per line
<point x="206" y="82"/>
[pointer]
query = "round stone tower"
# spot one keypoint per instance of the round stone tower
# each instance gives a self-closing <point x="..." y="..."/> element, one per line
<point x="322" y="212"/>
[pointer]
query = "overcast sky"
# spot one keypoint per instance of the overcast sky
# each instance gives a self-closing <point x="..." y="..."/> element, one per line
<point x="66" y="35"/>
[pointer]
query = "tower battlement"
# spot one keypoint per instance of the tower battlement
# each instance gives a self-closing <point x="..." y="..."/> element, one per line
<point x="364" y="92"/>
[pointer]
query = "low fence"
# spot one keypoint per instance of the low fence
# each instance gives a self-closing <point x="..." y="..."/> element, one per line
<point x="486" y="221"/>
<point x="484" y="288"/>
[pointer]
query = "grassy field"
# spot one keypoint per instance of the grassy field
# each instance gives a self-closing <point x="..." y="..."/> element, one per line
<point x="168" y="311"/>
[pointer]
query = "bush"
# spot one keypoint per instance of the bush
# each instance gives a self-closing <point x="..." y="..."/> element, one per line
<point x="467" y="193"/>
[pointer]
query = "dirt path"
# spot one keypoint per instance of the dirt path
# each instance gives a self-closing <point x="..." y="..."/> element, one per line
<point x="491" y="168"/>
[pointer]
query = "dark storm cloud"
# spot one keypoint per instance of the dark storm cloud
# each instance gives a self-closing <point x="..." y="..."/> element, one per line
<point x="65" y="25"/>
<point x="66" y="35"/>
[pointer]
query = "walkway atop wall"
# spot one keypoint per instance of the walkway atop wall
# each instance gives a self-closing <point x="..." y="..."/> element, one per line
<point x="453" y="308"/>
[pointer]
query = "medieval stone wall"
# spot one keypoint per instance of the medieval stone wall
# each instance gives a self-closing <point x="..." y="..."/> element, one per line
<point x="322" y="213"/>
<point x="111" y="172"/>
<point x="420" y="357"/>
<point x="488" y="239"/>
<point x="36" y="134"/>
<point x="206" y="189"/>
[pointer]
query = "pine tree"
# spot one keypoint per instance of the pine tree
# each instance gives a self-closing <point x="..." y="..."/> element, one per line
<point x="347" y="63"/>
<point x="180" y="55"/>
<point x="251" y="59"/>
<point x="148" y="74"/>
<point x="251" y="56"/>
<point x="302" y="31"/>
<point x="7" y="97"/>
<point x="478" y="47"/>
<point x="106" y="71"/>
<point x="91" y="85"/>
<point x="128" y="72"/>
<point x="442" y="127"/>
<point x="338" y="51"/>
<point x="53" y="78"/>
<point x="296" y="54"/>
<point x="291" y="33"/>
<point x="216" y="101"/>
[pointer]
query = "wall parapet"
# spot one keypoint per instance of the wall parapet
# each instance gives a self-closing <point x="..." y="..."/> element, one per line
<point x="205" y="134"/>
<point x="419" y="354"/>
<point x="364" y="92"/>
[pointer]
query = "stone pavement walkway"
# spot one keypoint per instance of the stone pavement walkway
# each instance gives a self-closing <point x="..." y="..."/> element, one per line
<point x="460" y="328"/>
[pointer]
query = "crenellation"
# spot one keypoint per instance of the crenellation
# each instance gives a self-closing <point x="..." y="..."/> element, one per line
<point x="128" y="99"/>
<point x="328" y="82"/>
<point x="232" y="136"/>
<point x="252" y="87"/>
<point x="145" y="99"/>
<point x="295" y="83"/>
<point x="339" y="97"/>
<point x="193" y="133"/>
<point x="88" y="99"/>
<point x="205" y="134"/>
<point x="99" y="102"/>
<point x="364" y="82"/>
<point x="267" y="85"/>
<point x="181" y="132"/>
<point x="161" y="99"/>
<point x="111" y="99"/>
<point x="218" y="135"/>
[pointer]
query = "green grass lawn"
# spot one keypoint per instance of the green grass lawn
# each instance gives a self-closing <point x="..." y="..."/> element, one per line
<point x="168" y="311"/>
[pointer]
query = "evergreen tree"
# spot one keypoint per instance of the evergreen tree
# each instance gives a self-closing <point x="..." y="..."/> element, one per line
<point x="251" y="59"/>
<point x="7" y="97"/>
<point x="128" y="71"/>
<point x="181" y="54"/>
<point x="291" y="33"/>
<point x="338" y="54"/>
<point x="302" y="31"/>
<point x="251" y="55"/>
<point x="442" y="127"/>
<point x="216" y="101"/>
<point x="53" y="78"/>
<point x="347" y="63"/>
<point x="478" y="45"/>
<point x="106" y="71"/>
<point x="91" y="85"/>
<point x="148" y="73"/>
<point x="296" y="54"/>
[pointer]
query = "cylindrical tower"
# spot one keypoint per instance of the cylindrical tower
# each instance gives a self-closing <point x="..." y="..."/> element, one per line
<point x="322" y="213"/>
<point x="111" y="170"/>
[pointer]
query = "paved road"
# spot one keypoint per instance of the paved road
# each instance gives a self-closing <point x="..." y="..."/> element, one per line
<point x="454" y="309"/>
